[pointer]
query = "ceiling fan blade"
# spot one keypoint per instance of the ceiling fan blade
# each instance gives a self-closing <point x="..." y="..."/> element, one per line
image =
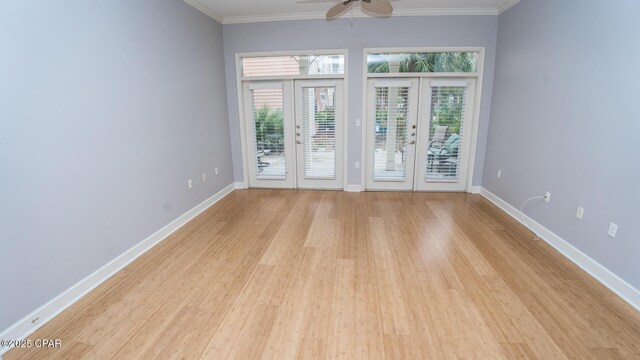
<point x="377" y="7"/>
<point x="338" y="10"/>
<point x="329" y="1"/>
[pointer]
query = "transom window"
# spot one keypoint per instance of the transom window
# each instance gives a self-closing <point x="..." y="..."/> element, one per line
<point x="422" y="62"/>
<point x="288" y="65"/>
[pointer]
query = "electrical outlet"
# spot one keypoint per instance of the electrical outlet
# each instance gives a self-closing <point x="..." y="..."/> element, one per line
<point x="190" y="183"/>
<point x="357" y="122"/>
<point x="216" y="171"/>
<point x="613" y="229"/>
<point x="579" y="213"/>
<point x="204" y="176"/>
<point x="357" y="164"/>
<point x="499" y="173"/>
<point x="547" y="196"/>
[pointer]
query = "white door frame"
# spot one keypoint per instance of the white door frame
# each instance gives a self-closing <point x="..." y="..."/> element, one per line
<point x="240" y="80"/>
<point x="479" y="75"/>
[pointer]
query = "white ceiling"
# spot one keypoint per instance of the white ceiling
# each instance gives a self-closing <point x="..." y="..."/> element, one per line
<point x="243" y="11"/>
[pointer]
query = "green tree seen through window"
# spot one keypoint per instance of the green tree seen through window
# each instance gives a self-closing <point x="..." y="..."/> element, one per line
<point x="424" y="62"/>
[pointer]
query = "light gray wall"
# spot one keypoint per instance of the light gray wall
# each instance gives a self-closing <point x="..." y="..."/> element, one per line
<point x="366" y="32"/>
<point x="565" y="119"/>
<point x="107" y="109"/>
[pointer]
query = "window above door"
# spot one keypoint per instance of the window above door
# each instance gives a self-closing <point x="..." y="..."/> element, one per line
<point x="422" y="62"/>
<point x="293" y="65"/>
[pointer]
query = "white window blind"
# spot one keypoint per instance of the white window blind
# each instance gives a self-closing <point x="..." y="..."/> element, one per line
<point x="390" y="141"/>
<point x="268" y="121"/>
<point x="319" y="132"/>
<point x="445" y="131"/>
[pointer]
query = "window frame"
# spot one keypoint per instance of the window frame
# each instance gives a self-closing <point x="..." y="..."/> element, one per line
<point x="242" y="77"/>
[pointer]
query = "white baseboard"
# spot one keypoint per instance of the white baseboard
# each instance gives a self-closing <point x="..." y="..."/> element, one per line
<point x="353" y="188"/>
<point x="612" y="281"/>
<point x="475" y="189"/>
<point x="48" y="311"/>
<point x="240" y="185"/>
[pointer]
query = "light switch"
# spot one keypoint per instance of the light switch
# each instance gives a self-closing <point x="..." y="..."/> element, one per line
<point x="613" y="229"/>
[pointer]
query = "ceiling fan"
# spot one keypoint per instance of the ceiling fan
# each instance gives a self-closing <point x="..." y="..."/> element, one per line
<point x="378" y="8"/>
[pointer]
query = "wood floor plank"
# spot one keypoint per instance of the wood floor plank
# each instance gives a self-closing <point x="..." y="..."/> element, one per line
<point x="284" y="274"/>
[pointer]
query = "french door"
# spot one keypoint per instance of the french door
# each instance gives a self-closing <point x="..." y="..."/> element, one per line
<point x="270" y="140"/>
<point x="444" y="140"/>
<point x="319" y="140"/>
<point x="295" y="134"/>
<point x="419" y="133"/>
<point x="391" y="138"/>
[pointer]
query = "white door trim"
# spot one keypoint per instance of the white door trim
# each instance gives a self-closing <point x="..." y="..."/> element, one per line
<point x="479" y="75"/>
<point x="240" y="79"/>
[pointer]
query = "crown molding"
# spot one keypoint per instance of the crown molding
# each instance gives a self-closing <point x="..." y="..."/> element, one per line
<point x="273" y="17"/>
<point x="445" y="12"/>
<point x="506" y="6"/>
<point x="357" y="13"/>
<point x="205" y="10"/>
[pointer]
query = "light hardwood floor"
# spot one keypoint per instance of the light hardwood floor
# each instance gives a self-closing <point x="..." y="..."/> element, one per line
<point x="276" y="274"/>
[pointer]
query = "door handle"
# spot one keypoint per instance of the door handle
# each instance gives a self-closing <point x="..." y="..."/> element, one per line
<point x="413" y="134"/>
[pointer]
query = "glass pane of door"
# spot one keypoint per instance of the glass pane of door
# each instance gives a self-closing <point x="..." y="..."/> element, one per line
<point x="390" y="139"/>
<point x="392" y="108"/>
<point x="446" y="126"/>
<point x="319" y="124"/>
<point x="268" y="120"/>
<point x="445" y="135"/>
<point x="319" y="132"/>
